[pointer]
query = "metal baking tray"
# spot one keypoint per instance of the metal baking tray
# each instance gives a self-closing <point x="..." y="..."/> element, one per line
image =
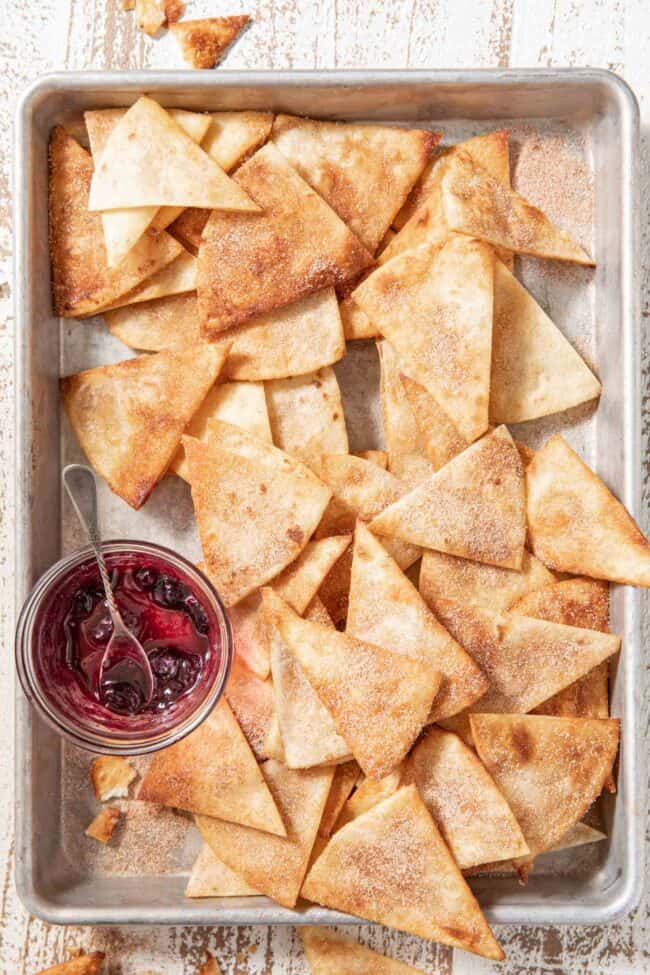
<point x="594" y="110"/>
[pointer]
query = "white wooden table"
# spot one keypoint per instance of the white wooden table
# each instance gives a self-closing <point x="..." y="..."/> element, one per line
<point x="45" y="35"/>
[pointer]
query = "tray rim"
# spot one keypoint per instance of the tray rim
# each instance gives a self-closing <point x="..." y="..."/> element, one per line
<point x="628" y="892"/>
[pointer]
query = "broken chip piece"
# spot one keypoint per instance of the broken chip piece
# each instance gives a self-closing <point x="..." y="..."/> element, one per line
<point x="204" y="42"/>
<point x="104" y="823"/>
<point x="111" y="777"/>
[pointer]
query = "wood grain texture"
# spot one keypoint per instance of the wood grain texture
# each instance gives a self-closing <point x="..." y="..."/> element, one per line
<point x="46" y="35"/>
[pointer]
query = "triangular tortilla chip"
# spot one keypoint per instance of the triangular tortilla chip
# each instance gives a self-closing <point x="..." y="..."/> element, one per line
<point x="275" y="865"/>
<point x="356" y="324"/>
<point x="535" y="371"/>
<point x="435" y="305"/>
<point x="233" y="136"/>
<point x="476" y="584"/>
<point x="365" y="172"/>
<point x="249" y="632"/>
<point x="378" y="700"/>
<point x="227" y="436"/>
<point x="575" y="602"/>
<point x="251" y="699"/>
<point x="549" y="769"/>
<point x="473" y="507"/>
<point x="240" y="404"/>
<point x="301" y="580"/>
<point x="345" y="778"/>
<point x="179" y="277"/>
<point x="306" y="415"/>
<point x="204" y="42"/>
<point x="247" y="543"/>
<point x="308" y="733"/>
<point x="330" y="954"/>
<point x="129" y="417"/>
<point x="369" y="793"/>
<point x="577" y="525"/>
<point x="527" y="660"/>
<point x="81" y="965"/>
<point x="392" y="866"/>
<point x="251" y="264"/>
<point x="407" y="457"/>
<point x="387" y="610"/>
<point x="149" y="160"/>
<point x="213" y="772"/>
<point x="440" y="438"/>
<point x="210" y="877"/>
<point x="474" y="818"/>
<point x="155" y="325"/>
<point x="479" y="205"/>
<point x="82" y="282"/>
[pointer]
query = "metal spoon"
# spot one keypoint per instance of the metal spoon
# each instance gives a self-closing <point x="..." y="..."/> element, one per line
<point x="124" y="665"/>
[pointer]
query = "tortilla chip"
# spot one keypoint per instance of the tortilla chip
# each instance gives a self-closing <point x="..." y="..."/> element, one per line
<point x="210" y="877"/>
<point x="248" y="543"/>
<point x="308" y="733"/>
<point x="440" y="438"/>
<point x="378" y="457"/>
<point x="330" y="954"/>
<point x="369" y="793"/>
<point x="111" y="777"/>
<point x="129" y="417"/>
<point x="82" y="282"/>
<point x="149" y="160"/>
<point x="345" y="778"/>
<point x="275" y="865"/>
<point x="549" y="769"/>
<point x="477" y="204"/>
<point x="476" y="584"/>
<point x="577" y="525"/>
<point x="392" y="866"/>
<point x="306" y="415"/>
<point x="435" y="305"/>
<point x="213" y="772"/>
<point x="236" y="440"/>
<point x="156" y="325"/>
<point x="240" y="404"/>
<point x="378" y="700"/>
<point x="205" y="42"/>
<point x="356" y="324"/>
<point x="575" y="602"/>
<point x="233" y="136"/>
<point x="473" y="507"/>
<point x="535" y="371"/>
<point x="527" y="660"/>
<point x="365" y="172"/>
<point x="407" y="457"/>
<point x="301" y="580"/>
<point x="104" y="823"/>
<point x="150" y="15"/>
<point x="251" y="699"/>
<point x="81" y="965"/>
<point x="179" y="277"/>
<point x="474" y="818"/>
<point x="249" y="265"/>
<point x="579" y="835"/>
<point x="386" y="609"/>
<point x="249" y="633"/>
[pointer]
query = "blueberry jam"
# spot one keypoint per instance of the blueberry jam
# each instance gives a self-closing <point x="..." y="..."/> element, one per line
<point x="164" y="614"/>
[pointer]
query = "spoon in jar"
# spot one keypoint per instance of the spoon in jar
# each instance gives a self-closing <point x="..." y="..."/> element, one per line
<point x="125" y="678"/>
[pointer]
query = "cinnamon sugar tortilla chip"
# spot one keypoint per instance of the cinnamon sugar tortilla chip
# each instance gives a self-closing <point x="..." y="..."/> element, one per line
<point x="477" y="584"/>
<point x="434" y="304"/>
<point x="356" y="324"/>
<point x="378" y="700"/>
<point x="241" y="404"/>
<point x="81" y="965"/>
<point x="250" y="264"/>
<point x="251" y="699"/>
<point x="275" y="865"/>
<point x="535" y="370"/>
<point x="247" y="543"/>
<point x="549" y="769"/>
<point x="82" y="282"/>
<point x="227" y="436"/>
<point x="111" y="777"/>
<point x="232" y="136"/>
<point x="129" y="417"/>
<point x="204" y="42"/>
<point x="150" y="15"/>
<point x="440" y="438"/>
<point x="476" y="203"/>
<point x="177" y="278"/>
<point x="577" y="525"/>
<point x="345" y="778"/>
<point x="249" y="632"/>
<point x="386" y="609"/>
<point x="579" y="835"/>
<point x="369" y="793"/>
<point x="407" y="457"/>
<point x="104" y="823"/>
<point x="155" y="325"/>
<point x="210" y="877"/>
<point x="149" y="160"/>
<point x="331" y="954"/>
<point x="392" y="866"/>
<point x="527" y="660"/>
<point x="473" y="507"/>
<point x="301" y="580"/>
<point x="467" y="807"/>
<point x="308" y="733"/>
<point x="364" y="172"/>
<point x="213" y="772"/>
<point x="306" y="415"/>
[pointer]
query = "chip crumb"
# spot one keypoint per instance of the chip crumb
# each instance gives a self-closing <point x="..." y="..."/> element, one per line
<point x="209" y="966"/>
<point x="104" y="823"/>
<point x="111" y="777"/>
<point x="174" y="10"/>
<point x="204" y="42"/>
<point x="150" y="15"/>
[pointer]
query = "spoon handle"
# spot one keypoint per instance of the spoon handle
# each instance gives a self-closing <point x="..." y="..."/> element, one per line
<point x="81" y="486"/>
